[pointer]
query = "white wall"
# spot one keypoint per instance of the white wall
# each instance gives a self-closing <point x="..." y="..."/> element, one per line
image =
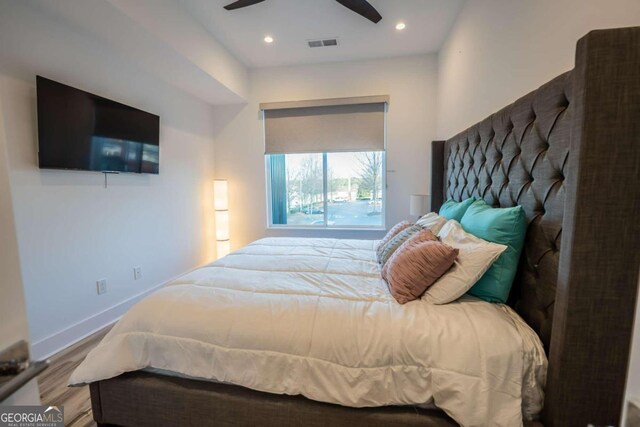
<point x="177" y="29"/>
<point x="13" y="312"/>
<point x="409" y="81"/>
<point x="158" y="36"/>
<point x="71" y="231"/>
<point x="499" y="50"/>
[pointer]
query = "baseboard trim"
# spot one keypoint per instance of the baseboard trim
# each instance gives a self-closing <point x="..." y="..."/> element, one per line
<point x="57" y="342"/>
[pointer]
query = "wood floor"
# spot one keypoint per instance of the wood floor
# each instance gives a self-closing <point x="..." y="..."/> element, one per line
<point x="53" y="382"/>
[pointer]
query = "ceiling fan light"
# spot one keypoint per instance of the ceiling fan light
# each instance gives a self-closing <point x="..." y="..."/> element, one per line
<point x="400" y="26"/>
<point x="268" y="39"/>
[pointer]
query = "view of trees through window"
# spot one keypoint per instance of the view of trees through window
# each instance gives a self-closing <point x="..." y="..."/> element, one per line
<point x="353" y="195"/>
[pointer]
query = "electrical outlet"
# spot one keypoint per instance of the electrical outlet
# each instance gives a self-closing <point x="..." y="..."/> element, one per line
<point x="137" y="273"/>
<point x="101" y="286"/>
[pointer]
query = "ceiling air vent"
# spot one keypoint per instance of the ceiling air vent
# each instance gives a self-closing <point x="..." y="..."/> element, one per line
<point x="323" y="42"/>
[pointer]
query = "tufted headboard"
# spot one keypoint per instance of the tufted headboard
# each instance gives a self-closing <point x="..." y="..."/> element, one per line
<point x="569" y="154"/>
<point x="518" y="156"/>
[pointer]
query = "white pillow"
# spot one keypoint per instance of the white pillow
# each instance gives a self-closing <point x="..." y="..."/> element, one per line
<point x="474" y="259"/>
<point x="432" y="221"/>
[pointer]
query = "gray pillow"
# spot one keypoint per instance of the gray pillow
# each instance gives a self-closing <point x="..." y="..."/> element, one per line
<point x="396" y="241"/>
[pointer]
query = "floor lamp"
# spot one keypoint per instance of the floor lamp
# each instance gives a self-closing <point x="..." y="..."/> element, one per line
<point x="221" y="207"/>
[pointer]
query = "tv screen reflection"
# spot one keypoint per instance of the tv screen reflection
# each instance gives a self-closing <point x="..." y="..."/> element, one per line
<point x="117" y="155"/>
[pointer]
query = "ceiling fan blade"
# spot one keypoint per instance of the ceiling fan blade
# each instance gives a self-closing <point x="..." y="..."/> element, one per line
<point x="362" y="7"/>
<point x="241" y="3"/>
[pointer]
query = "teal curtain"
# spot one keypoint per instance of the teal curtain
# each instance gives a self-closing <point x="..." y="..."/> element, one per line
<point x="278" y="189"/>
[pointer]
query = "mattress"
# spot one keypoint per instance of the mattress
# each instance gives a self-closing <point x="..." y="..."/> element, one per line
<point x="313" y="317"/>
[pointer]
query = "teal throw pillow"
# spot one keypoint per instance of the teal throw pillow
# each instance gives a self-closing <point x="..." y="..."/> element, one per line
<point x="506" y="226"/>
<point x="455" y="210"/>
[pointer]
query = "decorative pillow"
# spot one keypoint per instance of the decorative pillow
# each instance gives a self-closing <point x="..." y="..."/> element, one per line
<point x="417" y="265"/>
<point x="390" y="247"/>
<point x="394" y="230"/>
<point x="419" y="237"/>
<point x="474" y="259"/>
<point x="432" y="221"/>
<point x="455" y="210"/>
<point x="506" y="226"/>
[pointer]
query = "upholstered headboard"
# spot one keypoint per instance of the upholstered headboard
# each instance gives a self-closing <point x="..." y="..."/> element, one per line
<point x="569" y="154"/>
<point x="518" y="156"/>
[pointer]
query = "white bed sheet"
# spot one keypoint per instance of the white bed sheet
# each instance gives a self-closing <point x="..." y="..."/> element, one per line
<point x="313" y="317"/>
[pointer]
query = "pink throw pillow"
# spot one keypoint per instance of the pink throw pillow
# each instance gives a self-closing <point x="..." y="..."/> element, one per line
<point x="417" y="265"/>
<point x="424" y="235"/>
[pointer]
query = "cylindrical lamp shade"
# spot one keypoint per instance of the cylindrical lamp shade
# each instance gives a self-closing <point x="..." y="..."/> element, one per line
<point x="222" y="225"/>
<point x="220" y="195"/>
<point x="221" y="207"/>
<point x="223" y="247"/>
<point x="419" y="204"/>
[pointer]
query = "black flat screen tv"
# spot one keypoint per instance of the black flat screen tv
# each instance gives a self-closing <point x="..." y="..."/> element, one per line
<point x="81" y="131"/>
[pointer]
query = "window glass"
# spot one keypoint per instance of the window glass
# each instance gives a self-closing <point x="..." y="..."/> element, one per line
<point x="354" y="189"/>
<point x="297" y="195"/>
<point x="327" y="189"/>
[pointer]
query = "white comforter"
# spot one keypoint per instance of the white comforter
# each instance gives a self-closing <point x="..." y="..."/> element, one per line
<point x="313" y="317"/>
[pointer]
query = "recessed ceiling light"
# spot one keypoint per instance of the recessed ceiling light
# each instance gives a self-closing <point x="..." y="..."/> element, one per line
<point x="400" y="26"/>
<point x="268" y="39"/>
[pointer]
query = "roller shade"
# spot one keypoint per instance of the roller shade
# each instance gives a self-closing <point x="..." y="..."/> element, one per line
<point x="332" y="125"/>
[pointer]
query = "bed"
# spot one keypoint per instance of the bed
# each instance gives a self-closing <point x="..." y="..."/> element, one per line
<point x="313" y="317"/>
<point x="564" y="152"/>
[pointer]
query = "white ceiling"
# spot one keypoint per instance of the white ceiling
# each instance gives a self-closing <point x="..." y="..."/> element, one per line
<point x="292" y="22"/>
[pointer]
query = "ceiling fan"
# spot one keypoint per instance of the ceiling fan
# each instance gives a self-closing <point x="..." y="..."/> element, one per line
<point x="361" y="7"/>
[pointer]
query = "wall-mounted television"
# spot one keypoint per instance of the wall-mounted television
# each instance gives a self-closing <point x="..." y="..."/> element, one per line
<point x="82" y="131"/>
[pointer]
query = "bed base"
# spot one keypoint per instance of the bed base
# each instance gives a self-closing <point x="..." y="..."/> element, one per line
<point x="144" y="399"/>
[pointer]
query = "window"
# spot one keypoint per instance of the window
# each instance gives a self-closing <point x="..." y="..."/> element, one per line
<point x="327" y="189"/>
<point x="325" y="162"/>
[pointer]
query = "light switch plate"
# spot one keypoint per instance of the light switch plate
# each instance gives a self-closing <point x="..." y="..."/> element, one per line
<point x="101" y="286"/>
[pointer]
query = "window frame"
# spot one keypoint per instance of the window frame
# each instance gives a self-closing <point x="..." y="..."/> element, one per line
<point x="326" y="225"/>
